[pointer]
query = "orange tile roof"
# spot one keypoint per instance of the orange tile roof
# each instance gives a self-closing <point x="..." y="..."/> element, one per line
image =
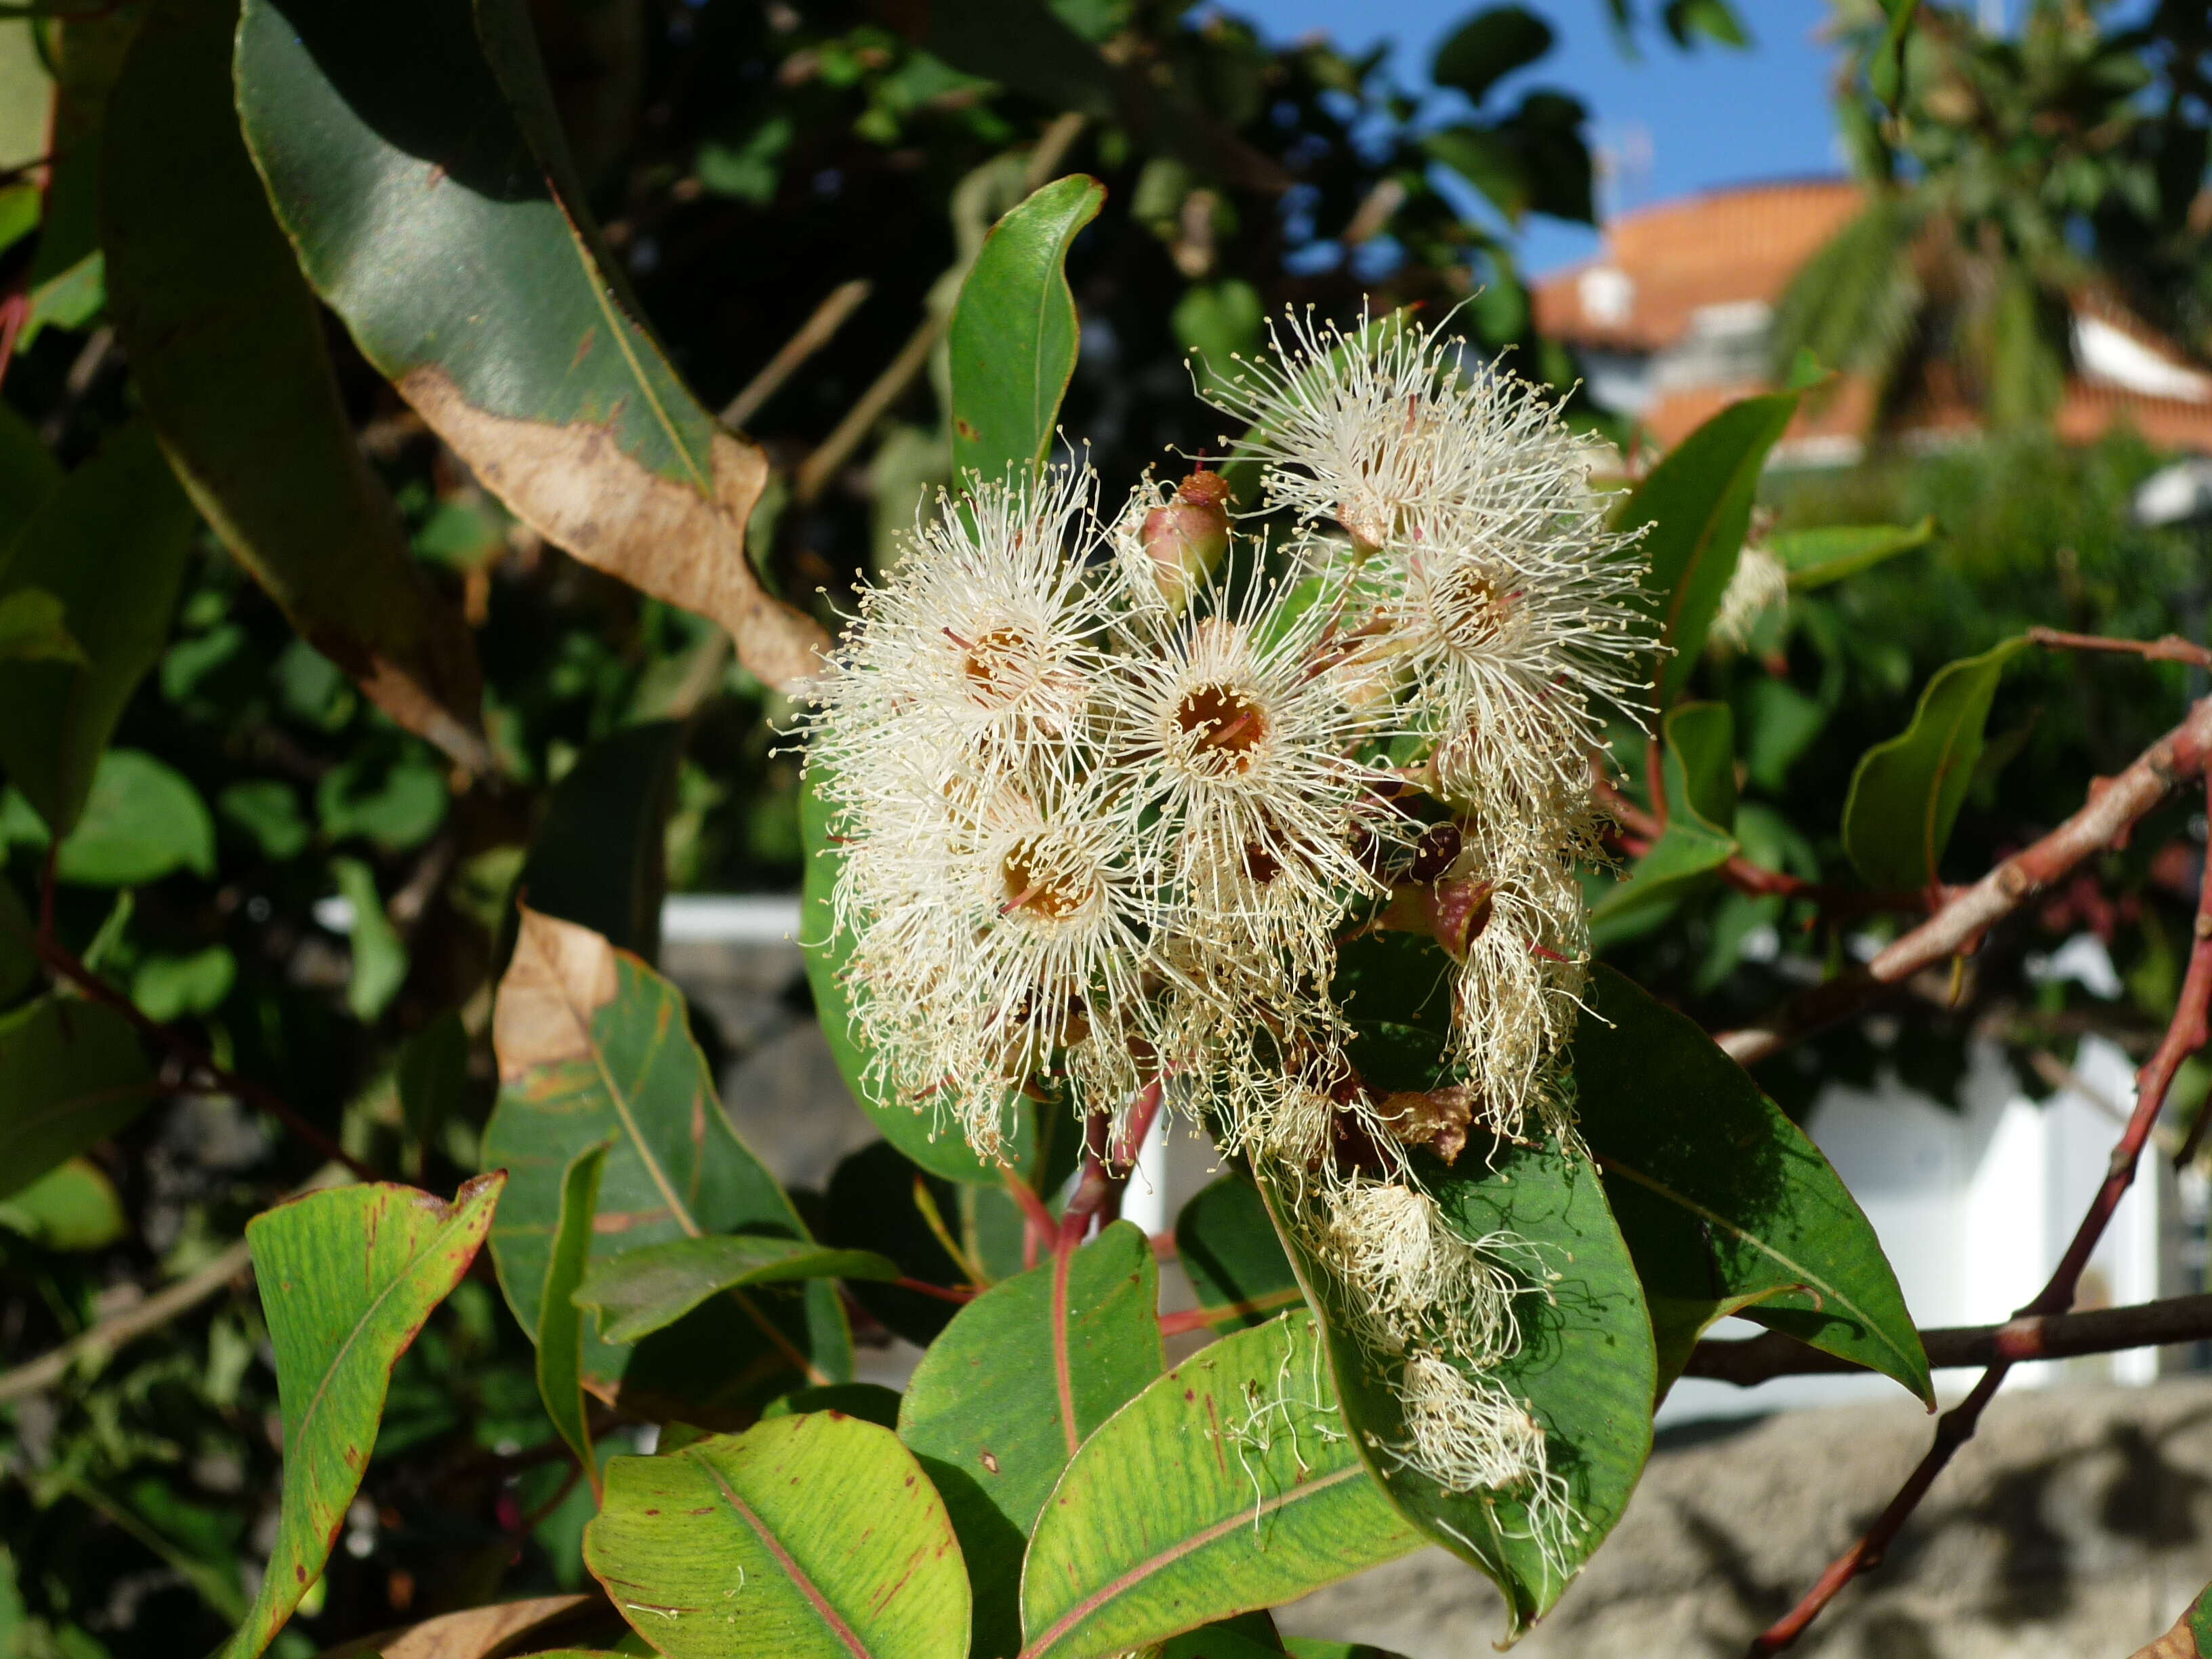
<point x="1714" y="249"/>
<point x="1746" y="244"/>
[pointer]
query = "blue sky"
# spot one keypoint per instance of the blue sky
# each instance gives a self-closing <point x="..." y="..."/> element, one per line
<point x="1696" y="119"/>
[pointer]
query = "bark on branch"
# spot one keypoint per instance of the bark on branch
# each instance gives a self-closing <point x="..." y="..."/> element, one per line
<point x="2036" y="1336"/>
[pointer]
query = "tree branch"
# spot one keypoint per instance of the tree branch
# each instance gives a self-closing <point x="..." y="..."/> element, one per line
<point x="2114" y="806"/>
<point x="2185" y="1035"/>
<point x="2171" y="648"/>
<point x="2039" y="1336"/>
<point x="817" y="331"/>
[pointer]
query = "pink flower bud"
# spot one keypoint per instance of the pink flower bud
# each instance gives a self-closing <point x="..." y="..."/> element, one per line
<point x="1186" y="537"/>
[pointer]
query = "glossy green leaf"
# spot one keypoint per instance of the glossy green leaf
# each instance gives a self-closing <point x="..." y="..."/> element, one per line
<point x="1014" y="335"/>
<point x="1228" y="1246"/>
<point x="1699" y="836"/>
<point x="33" y="629"/>
<point x="593" y="1047"/>
<point x="226" y="347"/>
<point x="73" y="1206"/>
<point x="1816" y="557"/>
<point x="380" y="956"/>
<point x="141" y="820"/>
<point x="1488" y="47"/>
<point x="560" y="1333"/>
<point x="71" y="1074"/>
<point x="598" y="858"/>
<point x="1584" y="1370"/>
<point x="937" y="1148"/>
<point x="1315" y="1647"/>
<point x="650" y="1288"/>
<point x="110" y="544"/>
<point x="1021" y="1378"/>
<point x="1726" y="1205"/>
<point x="813" y="1536"/>
<point x="1697" y="502"/>
<point x="1229" y="1484"/>
<point x="346" y="1278"/>
<point x="1906" y="792"/>
<point x="398" y="162"/>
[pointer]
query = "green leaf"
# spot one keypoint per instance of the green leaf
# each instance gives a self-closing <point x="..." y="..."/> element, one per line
<point x="1487" y="47"/>
<point x="1698" y="504"/>
<point x="942" y="1151"/>
<point x="399" y="165"/>
<point x="432" y="1076"/>
<point x="347" y="1278"/>
<point x="1215" y="322"/>
<point x="19" y="962"/>
<point x="598" y="858"/>
<point x="269" y="813"/>
<point x="593" y="1047"/>
<point x="379" y="958"/>
<point x="1816" y="557"/>
<point x="1229" y="1484"/>
<point x="110" y="544"/>
<point x="73" y="1206"/>
<point x="650" y="1288"/>
<point x="226" y="347"/>
<point x="395" y="798"/>
<point x="1782" y="722"/>
<point x="1487" y="160"/>
<point x="1584" y="1370"/>
<point x="1014" y="335"/>
<point x="28" y="471"/>
<point x="1699" y="836"/>
<point x="141" y="820"/>
<point x="1726" y="1205"/>
<point x="1906" y="794"/>
<point x="1886" y="63"/>
<point x="33" y="630"/>
<point x="1315" y="1647"/>
<point x="1228" y="1246"/>
<point x="167" y="987"/>
<point x="1021" y="1377"/>
<point x="560" y="1333"/>
<point x="813" y="1536"/>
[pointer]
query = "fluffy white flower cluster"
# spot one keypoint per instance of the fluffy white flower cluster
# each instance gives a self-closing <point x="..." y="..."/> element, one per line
<point x="1108" y="800"/>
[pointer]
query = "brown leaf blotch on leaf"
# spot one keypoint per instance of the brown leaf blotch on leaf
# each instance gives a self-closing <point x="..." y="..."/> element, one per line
<point x="560" y="976"/>
<point x="575" y="486"/>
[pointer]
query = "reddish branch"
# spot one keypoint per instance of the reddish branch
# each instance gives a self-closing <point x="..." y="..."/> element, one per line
<point x="2036" y="1336"/>
<point x="2184" y="753"/>
<point x="2172" y="648"/>
<point x="2114" y="806"/>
